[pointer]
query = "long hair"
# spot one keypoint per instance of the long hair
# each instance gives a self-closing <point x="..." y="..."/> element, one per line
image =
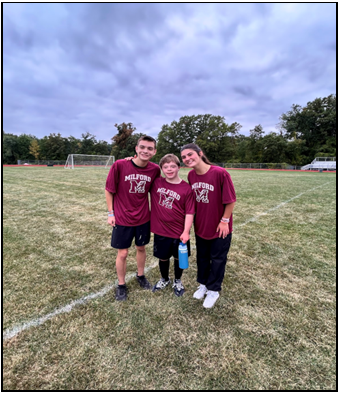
<point x="196" y="148"/>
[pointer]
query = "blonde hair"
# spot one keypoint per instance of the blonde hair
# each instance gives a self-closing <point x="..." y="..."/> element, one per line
<point x="169" y="158"/>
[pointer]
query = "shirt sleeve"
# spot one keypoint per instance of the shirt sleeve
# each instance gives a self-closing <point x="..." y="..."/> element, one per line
<point x="228" y="191"/>
<point x="190" y="202"/>
<point x="154" y="184"/>
<point x="113" y="178"/>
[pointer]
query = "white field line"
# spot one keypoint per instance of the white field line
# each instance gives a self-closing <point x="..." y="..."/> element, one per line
<point x="253" y="219"/>
<point x="10" y="333"/>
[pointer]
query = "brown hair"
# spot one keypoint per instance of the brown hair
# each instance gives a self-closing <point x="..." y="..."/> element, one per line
<point x="169" y="158"/>
<point x="196" y="148"/>
<point x="148" y="139"/>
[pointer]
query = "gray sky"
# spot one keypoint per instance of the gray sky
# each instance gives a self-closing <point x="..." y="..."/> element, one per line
<point x="82" y="67"/>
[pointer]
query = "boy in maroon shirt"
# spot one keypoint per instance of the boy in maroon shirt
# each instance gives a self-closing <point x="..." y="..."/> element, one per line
<point x="172" y="212"/>
<point x="127" y="187"/>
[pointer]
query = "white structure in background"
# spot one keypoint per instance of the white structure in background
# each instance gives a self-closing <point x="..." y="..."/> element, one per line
<point x="88" y="161"/>
<point x="324" y="163"/>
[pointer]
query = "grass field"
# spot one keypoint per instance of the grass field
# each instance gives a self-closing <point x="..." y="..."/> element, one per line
<point x="273" y="327"/>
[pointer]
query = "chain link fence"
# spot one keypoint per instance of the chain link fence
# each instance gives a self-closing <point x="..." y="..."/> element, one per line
<point x="255" y="165"/>
<point x="41" y="162"/>
<point x="230" y="165"/>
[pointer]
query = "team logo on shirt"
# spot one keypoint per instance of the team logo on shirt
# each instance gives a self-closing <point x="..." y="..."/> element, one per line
<point x="167" y="197"/>
<point x="202" y="196"/>
<point x="137" y="187"/>
<point x="202" y="190"/>
<point x="166" y="201"/>
<point x="137" y="182"/>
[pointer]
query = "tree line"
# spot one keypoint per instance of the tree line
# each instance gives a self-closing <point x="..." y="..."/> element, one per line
<point x="52" y="147"/>
<point x="303" y="134"/>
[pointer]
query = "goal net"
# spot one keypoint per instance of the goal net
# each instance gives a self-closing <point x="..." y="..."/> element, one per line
<point x="88" y="161"/>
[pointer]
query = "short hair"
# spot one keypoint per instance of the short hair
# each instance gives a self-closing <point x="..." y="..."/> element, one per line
<point x="169" y="158"/>
<point x="148" y="139"/>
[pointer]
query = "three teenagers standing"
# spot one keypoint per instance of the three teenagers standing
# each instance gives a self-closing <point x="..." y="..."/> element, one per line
<point x="128" y="184"/>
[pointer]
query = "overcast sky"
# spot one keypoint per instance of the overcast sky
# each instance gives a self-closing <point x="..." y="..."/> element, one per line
<point x="82" y="67"/>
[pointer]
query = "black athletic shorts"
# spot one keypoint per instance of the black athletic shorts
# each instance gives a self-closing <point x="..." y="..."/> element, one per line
<point x="166" y="247"/>
<point x="123" y="236"/>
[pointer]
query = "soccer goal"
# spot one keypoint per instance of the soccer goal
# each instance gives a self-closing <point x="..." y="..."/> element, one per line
<point x="88" y="161"/>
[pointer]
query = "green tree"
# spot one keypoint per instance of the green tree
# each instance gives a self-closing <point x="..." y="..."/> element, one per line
<point x="87" y="144"/>
<point x="102" y="147"/>
<point x="72" y="145"/>
<point x="16" y="147"/>
<point x="210" y="132"/>
<point x="120" y="140"/>
<point x="53" y="147"/>
<point x="255" y="145"/>
<point x="172" y="137"/>
<point x="23" y="145"/>
<point x="10" y="153"/>
<point x="315" y="124"/>
<point x="273" y="148"/>
<point x="295" y="150"/>
<point x="241" y="142"/>
<point x="218" y="139"/>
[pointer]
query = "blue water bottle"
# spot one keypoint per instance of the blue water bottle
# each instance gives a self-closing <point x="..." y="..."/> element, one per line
<point x="183" y="256"/>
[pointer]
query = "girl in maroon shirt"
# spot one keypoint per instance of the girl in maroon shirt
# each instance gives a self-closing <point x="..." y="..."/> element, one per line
<point x="215" y="197"/>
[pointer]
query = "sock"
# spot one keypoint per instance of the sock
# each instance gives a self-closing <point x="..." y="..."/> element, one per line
<point x="177" y="270"/>
<point x="164" y="269"/>
<point x="122" y="285"/>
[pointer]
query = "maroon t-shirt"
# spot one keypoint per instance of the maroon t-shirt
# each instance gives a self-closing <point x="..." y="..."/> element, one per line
<point x="130" y="185"/>
<point x="169" y="205"/>
<point x="213" y="191"/>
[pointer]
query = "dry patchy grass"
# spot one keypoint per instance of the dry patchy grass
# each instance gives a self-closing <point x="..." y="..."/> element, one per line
<point x="273" y="327"/>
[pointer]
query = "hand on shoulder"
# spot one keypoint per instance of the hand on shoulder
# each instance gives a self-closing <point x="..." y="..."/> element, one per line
<point x="130" y="158"/>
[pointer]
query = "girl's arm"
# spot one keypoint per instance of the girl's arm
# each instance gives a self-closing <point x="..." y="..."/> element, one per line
<point x="223" y="227"/>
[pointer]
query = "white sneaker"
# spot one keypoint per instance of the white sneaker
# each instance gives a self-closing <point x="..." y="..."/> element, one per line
<point x="211" y="298"/>
<point x="200" y="293"/>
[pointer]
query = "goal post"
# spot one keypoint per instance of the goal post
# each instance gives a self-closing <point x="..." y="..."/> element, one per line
<point x="88" y="161"/>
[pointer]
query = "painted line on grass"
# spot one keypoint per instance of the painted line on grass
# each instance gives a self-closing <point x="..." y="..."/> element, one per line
<point x="10" y="333"/>
<point x="253" y="219"/>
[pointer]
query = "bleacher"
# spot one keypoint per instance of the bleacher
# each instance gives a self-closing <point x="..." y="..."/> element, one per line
<point x="321" y="163"/>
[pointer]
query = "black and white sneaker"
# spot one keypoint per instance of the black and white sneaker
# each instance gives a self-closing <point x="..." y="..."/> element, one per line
<point x="179" y="289"/>
<point x="143" y="282"/>
<point x="161" y="284"/>
<point x="121" y="293"/>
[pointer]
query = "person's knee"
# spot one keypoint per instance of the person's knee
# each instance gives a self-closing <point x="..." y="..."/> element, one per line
<point x="141" y="248"/>
<point x="122" y="254"/>
<point x="221" y="261"/>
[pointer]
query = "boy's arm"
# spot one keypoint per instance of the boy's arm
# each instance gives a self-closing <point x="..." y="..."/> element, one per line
<point x="109" y="201"/>
<point x="185" y="236"/>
